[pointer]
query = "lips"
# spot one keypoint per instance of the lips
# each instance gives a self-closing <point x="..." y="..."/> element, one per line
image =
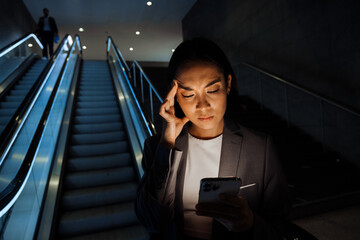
<point x="206" y="118"/>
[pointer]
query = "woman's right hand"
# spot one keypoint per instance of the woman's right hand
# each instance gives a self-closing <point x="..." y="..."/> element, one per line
<point x="172" y="124"/>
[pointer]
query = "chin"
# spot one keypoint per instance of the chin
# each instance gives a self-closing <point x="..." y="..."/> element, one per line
<point x="206" y="126"/>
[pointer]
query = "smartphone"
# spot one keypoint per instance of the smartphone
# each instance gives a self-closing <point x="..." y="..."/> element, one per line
<point x="210" y="188"/>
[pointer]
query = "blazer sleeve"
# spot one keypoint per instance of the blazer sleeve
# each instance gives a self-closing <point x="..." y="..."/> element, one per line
<point x="271" y="211"/>
<point x="275" y="204"/>
<point x="153" y="206"/>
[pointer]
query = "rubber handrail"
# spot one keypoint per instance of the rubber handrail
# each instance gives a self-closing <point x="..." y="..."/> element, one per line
<point x="146" y="118"/>
<point x="18" y="42"/>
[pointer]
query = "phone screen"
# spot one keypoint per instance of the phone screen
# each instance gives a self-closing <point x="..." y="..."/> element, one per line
<point x="210" y="188"/>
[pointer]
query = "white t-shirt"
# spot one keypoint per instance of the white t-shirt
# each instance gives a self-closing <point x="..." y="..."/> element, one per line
<point x="47" y="25"/>
<point x="203" y="160"/>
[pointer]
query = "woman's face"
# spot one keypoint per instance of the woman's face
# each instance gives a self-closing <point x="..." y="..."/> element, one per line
<point x="202" y="95"/>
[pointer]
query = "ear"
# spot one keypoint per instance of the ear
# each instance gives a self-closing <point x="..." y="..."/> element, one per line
<point x="229" y="84"/>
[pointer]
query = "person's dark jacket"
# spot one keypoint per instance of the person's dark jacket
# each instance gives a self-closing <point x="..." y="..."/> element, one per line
<point x="52" y="23"/>
<point x="245" y="154"/>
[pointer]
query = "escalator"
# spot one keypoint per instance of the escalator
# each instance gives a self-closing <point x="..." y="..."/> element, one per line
<point x="85" y="187"/>
<point x="13" y="98"/>
<point x="99" y="181"/>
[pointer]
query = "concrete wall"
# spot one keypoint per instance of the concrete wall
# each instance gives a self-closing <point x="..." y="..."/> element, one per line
<point x="313" y="43"/>
<point x="15" y="21"/>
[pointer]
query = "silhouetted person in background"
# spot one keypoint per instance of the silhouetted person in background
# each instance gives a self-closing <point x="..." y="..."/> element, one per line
<point x="47" y="30"/>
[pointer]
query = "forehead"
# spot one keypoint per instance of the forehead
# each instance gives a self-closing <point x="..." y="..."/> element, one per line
<point x="193" y="72"/>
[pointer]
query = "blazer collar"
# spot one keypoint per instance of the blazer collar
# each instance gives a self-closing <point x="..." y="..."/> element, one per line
<point x="230" y="150"/>
<point x="181" y="142"/>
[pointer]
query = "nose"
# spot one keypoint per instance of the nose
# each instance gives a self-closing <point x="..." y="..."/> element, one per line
<point x="202" y="102"/>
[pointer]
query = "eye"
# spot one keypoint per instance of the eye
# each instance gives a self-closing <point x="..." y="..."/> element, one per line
<point x="187" y="96"/>
<point x="214" y="91"/>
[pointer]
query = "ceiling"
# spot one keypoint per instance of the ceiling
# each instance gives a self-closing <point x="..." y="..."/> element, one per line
<point x="159" y="25"/>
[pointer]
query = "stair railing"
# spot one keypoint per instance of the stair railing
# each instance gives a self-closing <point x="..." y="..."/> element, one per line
<point x="325" y="121"/>
<point x="135" y="67"/>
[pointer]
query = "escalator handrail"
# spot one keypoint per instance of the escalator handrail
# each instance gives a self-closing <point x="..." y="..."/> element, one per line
<point x="111" y="41"/>
<point x="16" y="43"/>
<point x="303" y="89"/>
<point x="148" y="120"/>
<point x="10" y="194"/>
<point x="149" y="125"/>
<point x="17" y="117"/>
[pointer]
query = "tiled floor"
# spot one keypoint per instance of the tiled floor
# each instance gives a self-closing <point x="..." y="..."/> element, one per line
<point x="342" y="224"/>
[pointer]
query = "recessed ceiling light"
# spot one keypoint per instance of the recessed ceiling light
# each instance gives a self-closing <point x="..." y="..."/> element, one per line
<point x="81" y="29"/>
<point x="149" y="3"/>
<point x="84" y="47"/>
<point x="173" y="50"/>
<point x="137" y="32"/>
<point x="131" y="49"/>
<point x="30" y="45"/>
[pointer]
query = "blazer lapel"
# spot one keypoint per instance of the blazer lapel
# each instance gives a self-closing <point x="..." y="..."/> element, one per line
<point x="230" y="153"/>
<point x="181" y="144"/>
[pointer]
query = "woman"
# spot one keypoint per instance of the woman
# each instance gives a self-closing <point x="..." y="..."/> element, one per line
<point x="198" y="142"/>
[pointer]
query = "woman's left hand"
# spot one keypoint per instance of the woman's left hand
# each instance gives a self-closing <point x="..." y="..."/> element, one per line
<point x="233" y="212"/>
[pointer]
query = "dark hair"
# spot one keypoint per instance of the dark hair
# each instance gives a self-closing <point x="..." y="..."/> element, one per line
<point x="45" y="9"/>
<point x="203" y="50"/>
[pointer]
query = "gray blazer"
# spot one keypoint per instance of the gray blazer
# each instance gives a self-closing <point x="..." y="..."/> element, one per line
<point x="245" y="154"/>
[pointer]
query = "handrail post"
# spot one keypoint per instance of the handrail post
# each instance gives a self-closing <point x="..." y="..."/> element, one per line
<point x="142" y="86"/>
<point x="134" y="73"/>
<point x="151" y="104"/>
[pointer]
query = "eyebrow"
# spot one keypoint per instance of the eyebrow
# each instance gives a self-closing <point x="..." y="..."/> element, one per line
<point x="207" y="85"/>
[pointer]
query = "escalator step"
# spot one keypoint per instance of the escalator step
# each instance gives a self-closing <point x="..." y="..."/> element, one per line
<point x="7" y="111"/>
<point x="21" y="92"/>
<point x="95" y="93"/>
<point x="98" y="149"/>
<point x="136" y="232"/>
<point x="96" y="104"/>
<point x="92" y="163"/>
<point x="9" y="104"/>
<point x="14" y="98"/>
<point x="98" y="119"/>
<point x="23" y="87"/>
<point x="97" y="219"/>
<point x="96" y="128"/>
<point x="97" y="196"/>
<point x="4" y="120"/>
<point x="96" y="78"/>
<point x="96" y="98"/>
<point x="96" y="111"/>
<point x="26" y="80"/>
<point x="77" y="139"/>
<point x="98" y="178"/>
<point x="98" y="88"/>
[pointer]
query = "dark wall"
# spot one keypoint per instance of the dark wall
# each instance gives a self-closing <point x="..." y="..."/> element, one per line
<point x="15" y="21"/>
<point x="158" y="76"/>
<point x="315" y="44"/>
